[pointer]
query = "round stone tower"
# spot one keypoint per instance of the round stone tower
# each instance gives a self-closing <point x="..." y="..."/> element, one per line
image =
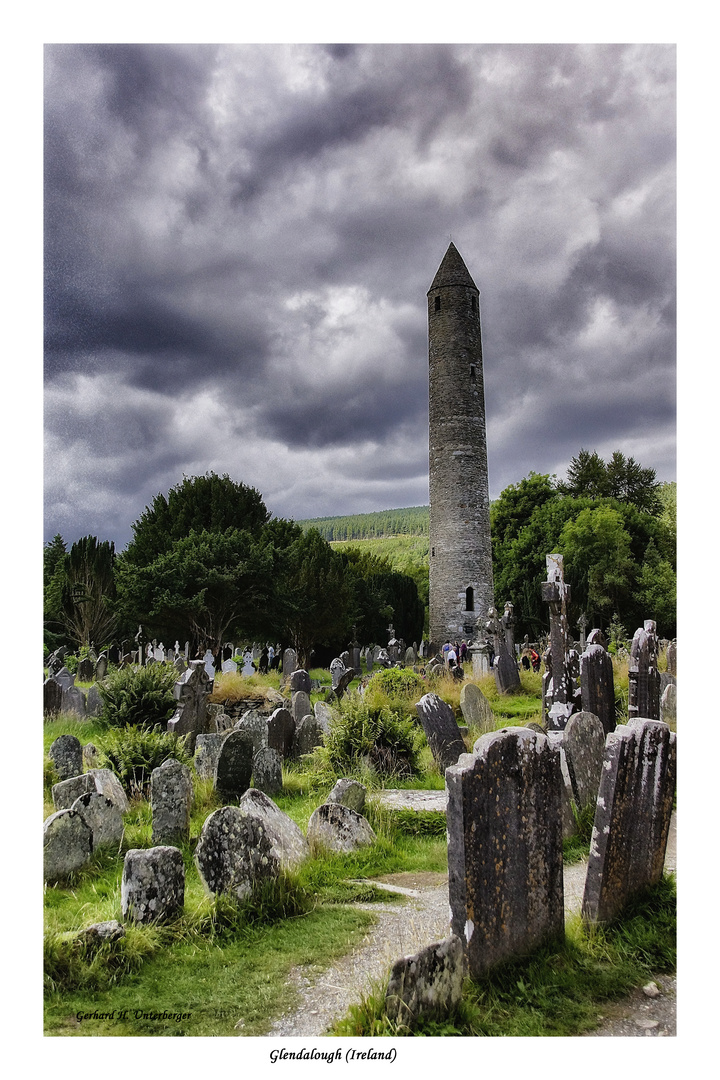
<point x="461" y="583"/>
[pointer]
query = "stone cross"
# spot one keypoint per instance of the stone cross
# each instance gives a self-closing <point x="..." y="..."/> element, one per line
<point x="559" y="695"/>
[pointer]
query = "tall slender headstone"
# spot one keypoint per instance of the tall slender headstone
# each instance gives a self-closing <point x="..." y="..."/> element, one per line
<point x="560" y="695"/>
<point x="643" y="675"/>
<point x="597" y="685"/>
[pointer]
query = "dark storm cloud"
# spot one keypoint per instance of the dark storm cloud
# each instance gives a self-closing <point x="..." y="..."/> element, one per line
<point x="239" y="240"/>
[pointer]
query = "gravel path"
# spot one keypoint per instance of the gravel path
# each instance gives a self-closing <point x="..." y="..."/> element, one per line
<point x="403" y="929"/>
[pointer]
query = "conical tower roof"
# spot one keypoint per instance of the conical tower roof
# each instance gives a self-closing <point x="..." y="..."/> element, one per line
<point x="452" y="271"/>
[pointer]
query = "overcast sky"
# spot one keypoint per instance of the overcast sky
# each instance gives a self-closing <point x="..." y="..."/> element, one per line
<point x="239" y="240"/>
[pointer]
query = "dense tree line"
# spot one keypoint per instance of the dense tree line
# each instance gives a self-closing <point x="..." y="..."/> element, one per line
<point x="412" y="521"/>
<point x="208" y="563"/>
<point x="614" y="525"/>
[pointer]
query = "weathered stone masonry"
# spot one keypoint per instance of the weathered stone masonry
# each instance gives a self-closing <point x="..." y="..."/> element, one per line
<point x="461" y="585"/>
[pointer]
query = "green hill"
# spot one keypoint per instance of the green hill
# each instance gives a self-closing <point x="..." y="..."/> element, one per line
<point x="411" y="521"/>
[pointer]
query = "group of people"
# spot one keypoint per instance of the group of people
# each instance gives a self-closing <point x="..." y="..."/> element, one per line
<point x="454" y="655"/>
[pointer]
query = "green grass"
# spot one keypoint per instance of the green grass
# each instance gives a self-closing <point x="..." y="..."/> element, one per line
<point x="560" y="990"/>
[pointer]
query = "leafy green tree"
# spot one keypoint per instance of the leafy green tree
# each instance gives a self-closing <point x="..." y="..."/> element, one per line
<point x="87" y="591"/>
<point x="209" y="503"/>
<point x="53" y="559"/>
<point x="598" y="563"/>
<point x="657" y="588"/>
<point x="620" y="478"/>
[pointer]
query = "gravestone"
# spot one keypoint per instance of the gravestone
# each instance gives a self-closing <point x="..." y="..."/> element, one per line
<point x="671" y="658"/>
<point x="86" y="670"/>
<point x="300" y="680"/>
<point x="584" y="742"/>
<point x="337" y="670"/>
<point x="289" y="664"/>
<point x="350" y="793"/>
<point x="101" y="668"/>
<point x="91" y="755"/>
<point x="568" y="803"/>
<point x="561" y="697"/>
<point x="106" y="782"/>
<point x="428" y="984"/>
<point x="597" y="685"/>
<point x="67" y="844"/>
<point x="209" y="662"/>
<point x="643" y="675"/>
<point x="256" y="726"/>
<point x="73" y="701"/>
<point x="668" y="705"/>
<point x="153" y="884"/>
<point x="180" y="665"/>
<point x="93" y="701"/>
<point x="67" y="791"/>
<point x="338" y="828"/>
<point x="344" y="681"/>
<point x="300" y="705"/>
<point x="632" y="817"/>
<point x="476" y="708"/>
<point x="52" y="696"/>
<point x="171" y="797"/>
<point x="229" y="667"/>
<point x="410" y="657"/>
<point x="280" y="732"/>
<point x="267" y="771"/>
<point x="102" y="817"/>
<point x="441" y="729"/>
<point x="207" y="753"/>
<point x="66" y="755"/>
<point x="287" y="840"/>
<point x="323" y="715"/>
<point x="191" y="693"/>
<point x="234" y="766"/>
<point x="235" y="851"/>
<point x="505" y="857"/>
<point x="64" y="677"/>
<point x="308" y="736"/>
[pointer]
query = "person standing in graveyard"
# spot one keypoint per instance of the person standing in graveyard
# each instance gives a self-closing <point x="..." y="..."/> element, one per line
<point x="463" y="652"/>
<point x="535" y="660"/>
<point x="263" y="662"/>
<point x="451" y="657"/>
<point x="271" y="656"/>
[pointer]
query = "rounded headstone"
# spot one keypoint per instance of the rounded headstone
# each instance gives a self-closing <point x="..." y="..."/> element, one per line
<point x="67" y="844"/>
<point x="234" y="852"/>
<point x="234" y="767"/>
<point x="349" y="793"/>
<point x="300" y="680"/>
<point x="338" y="828"/>
<point x="476" y="708"/>
<point x="255" y="724"/>
<point x="584" y="744"/>
<point x="102" y="816"/>
<point x="308" y="736"/>
<point x="66" y="792"/>
<point x="66" y="756"/>
<point x="300" y="705"/>
<point x="106" y="782"/>
<point x="281" y="729"/>
<point x="267" y="771"/>
<point x="153" y="884"/>
<point x="287" y="839"/>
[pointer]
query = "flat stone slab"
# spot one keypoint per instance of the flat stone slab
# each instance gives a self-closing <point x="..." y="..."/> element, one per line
<point x="412" y="799"/>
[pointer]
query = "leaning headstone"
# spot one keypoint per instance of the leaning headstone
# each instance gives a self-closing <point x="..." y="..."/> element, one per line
<point x="350" y="793"/>
<point x="441" y="729"/>
<point x="584" y="742"/>
<point x="67" y="791"/>
<point x="66" y="755"/>
<point x="67" y="844"/>
<point x="338" y="828"/>
<point x="91" y="755"/>
<point x="52" y="696"/>
<point x="308" y="736"/>
<point x="234" y="767"/>
<point x="106" y="782"/>
<point x="476" y="708"/>
<point x="255" y="724"/>
<point x="171" y="796"/>
<point x="300" y="680"/>
<point x="632" y="817"/>
<point x="300" y="705"/>
<point x="643" y="675"/>
<point x="287" y="840"/>
<point x="103" y="818"/>
<point x="597" y="685"/>
<point x="191" y="692"/>
<point x="505" y="857"/>
<point x="207" y="753"/>
<point x="153" y="884"/>
<point x="428" y="984"/>
<point x="668" y="705"/>
<point x="234" y="852"/>
<point x="101" y="668"/>
<point x="344" y="681"/>
<point x="267" y="771"/>
<point x="280" y="732"/>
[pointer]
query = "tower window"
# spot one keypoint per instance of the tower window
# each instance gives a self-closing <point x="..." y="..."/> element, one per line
<point x="437" y="303"/>
<point x="472" y="372"/>
<point x="469" y="599"/>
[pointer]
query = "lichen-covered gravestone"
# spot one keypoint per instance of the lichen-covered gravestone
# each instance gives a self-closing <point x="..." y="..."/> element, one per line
<point x="234" y="767"/>
<point x="106" y="782"/>
<point x="103" y="818"/>
<point x="308" y="736"/>
<point x="476" y="708"/>
<point x="267" y="771"/>
<point x="153" y="884"/>
<point x="300" y="680"/>
<point x="207" y="753"/>
<point x="584" y="742"/>
<point x="323" y="715"/>
<point x="300" y="705"/>
<point x="52" y="696"/>
<point x="668" y="705"/>
<point x="441" y="730"/>
<point x="632" y="818"/>
<point x="426" y="984"/>
<point x="66" y="755"/>
<point x="350" y="793"/>
<point x="505" y="857"/>
<point x="67" y="844"/>
<point x="338" y="828"/>
<point x="597" y="685"/>
<point x="234" y="852"/>
<point x="286" y="838"/>
<point x="255" y="724"/>
<point x="171" y="796"/>
<point x="67" y="791"/>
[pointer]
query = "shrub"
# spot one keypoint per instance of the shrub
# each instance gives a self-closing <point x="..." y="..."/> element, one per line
<point x="395" y="681"/>
<point x="132" y="753"/>
<point x="379" y="738"/>
<point x="142" y="697"/>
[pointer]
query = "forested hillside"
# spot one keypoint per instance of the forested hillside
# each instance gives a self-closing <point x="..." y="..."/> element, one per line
<point x="411" y="521"/>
